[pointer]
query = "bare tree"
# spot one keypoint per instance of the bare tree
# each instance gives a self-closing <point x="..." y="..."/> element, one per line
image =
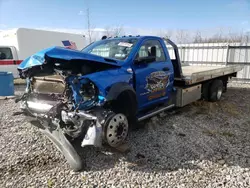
<point x="182" y="36"/>
<point x="118" y="30"/>
<point x="246" y="37"/>
<point x="168" y="34"/>
<point x="220" y="36"/>
<point x="241" y="36"/>
<point x="234" y="37"/>
<point x="198" y="38"/>
<point x="165" y="33"/>
<point x="108" y="31"/>
<point x="114" y="31"/>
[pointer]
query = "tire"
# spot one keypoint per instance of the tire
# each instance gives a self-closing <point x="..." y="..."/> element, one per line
<point x="215" y="90"/>
<point x="205" y="91"/>
<point x="115" y="129"/>
<point x="65" y="147"/>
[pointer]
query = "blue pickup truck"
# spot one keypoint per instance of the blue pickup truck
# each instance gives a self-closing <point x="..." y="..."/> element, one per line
<point x="99" y="93"/>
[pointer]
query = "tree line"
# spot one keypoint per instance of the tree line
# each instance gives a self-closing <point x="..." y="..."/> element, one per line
<point x="179" y="36"/>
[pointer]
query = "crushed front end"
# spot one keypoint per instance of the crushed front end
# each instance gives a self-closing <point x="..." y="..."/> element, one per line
<point x="66" y="105"/>
<point x="67" y="101"/>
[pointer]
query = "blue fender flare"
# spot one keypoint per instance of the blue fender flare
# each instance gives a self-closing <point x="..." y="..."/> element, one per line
<point x="117" y="89"/>
<point x="124" y="88"/>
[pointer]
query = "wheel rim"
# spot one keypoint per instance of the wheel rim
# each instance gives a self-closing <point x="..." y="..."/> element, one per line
<point x="219" y="93"/>
<point x="117" y="130"/>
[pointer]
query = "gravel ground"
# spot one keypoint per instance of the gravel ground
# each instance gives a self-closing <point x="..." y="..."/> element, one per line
<point x="200" y="145"/>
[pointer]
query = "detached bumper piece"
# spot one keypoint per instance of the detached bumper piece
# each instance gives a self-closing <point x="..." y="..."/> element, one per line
<point x="94" y="131"/>
<point x="56" y="133"/>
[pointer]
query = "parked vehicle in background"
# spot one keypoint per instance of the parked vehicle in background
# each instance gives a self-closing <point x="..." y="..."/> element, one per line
<point x="18" y="44"/>
<point x="99" y="93"/>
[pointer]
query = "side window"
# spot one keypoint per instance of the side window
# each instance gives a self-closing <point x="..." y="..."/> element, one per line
<point x="5" y="53"/>
<point x="152" y="48"/>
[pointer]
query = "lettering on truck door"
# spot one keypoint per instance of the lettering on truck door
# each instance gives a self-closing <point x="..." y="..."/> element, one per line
<point x="154" y="80"/>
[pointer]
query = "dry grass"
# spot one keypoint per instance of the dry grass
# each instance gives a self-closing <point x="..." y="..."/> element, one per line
<point x="214" y="133"/>
<point x="227" y="134"/>
<point x="209" y="132"/>
<point x="50" y="183"/>
<point x="204" y="107"/>
<point x="209" y="108"/>
<point x="230" y="108"/>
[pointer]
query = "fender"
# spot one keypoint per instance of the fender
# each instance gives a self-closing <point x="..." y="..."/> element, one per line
<point x="117" y="89"/>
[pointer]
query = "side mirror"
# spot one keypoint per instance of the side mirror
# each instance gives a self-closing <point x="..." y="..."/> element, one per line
<point x="148" y="59"/>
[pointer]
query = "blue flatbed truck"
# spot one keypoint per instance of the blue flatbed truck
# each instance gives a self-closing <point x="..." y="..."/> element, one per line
<point x="99" y="93"/>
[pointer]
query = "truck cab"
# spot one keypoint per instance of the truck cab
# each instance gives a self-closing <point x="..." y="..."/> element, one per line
<point x="147" y="59"/>
<point x="153" y="72"/>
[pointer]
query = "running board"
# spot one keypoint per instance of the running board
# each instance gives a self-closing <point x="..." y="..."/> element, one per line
<point x="155" y="112"/>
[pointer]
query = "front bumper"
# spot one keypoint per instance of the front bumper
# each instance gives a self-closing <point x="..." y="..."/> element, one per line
<point x="43" y="113"/>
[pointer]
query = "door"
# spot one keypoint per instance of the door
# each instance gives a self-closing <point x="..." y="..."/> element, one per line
<point x="154" y="80"/>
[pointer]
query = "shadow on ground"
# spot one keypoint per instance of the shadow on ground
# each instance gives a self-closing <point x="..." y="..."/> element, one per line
<point x="215" y="132"/>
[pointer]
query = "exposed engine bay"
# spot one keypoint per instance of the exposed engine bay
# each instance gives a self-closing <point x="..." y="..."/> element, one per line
<point x="72" y="100"/>
<point x="69" y="103"/>
<point x="53" y="97"/>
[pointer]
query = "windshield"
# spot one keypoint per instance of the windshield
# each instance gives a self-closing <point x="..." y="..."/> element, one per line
<point x="112" y="48"/>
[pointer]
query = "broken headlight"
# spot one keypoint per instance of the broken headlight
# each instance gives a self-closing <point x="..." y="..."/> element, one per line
<point x="88" y="91"/>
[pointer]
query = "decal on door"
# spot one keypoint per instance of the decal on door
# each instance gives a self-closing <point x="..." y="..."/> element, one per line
<point x="157" y="82"/>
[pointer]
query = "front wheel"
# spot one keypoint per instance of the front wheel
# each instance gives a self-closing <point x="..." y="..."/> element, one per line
<point x="116" y="129"/>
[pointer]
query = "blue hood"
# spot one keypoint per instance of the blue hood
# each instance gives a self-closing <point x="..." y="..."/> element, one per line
<point x="63" y="54"/>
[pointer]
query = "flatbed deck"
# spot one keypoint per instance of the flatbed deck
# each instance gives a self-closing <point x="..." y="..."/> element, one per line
<point x="198" y="73"/>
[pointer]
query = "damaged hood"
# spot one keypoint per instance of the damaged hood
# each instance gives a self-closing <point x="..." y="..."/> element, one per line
<point x="61" y="53"/>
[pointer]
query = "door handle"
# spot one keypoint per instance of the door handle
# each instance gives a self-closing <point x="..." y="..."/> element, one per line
<point x="165" y="69"/>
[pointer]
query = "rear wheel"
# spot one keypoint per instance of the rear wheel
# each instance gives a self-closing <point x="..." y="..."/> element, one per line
<point x="215" y="90"/>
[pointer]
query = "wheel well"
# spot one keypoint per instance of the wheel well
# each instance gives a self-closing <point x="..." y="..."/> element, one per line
<point x="125" y="103"/>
